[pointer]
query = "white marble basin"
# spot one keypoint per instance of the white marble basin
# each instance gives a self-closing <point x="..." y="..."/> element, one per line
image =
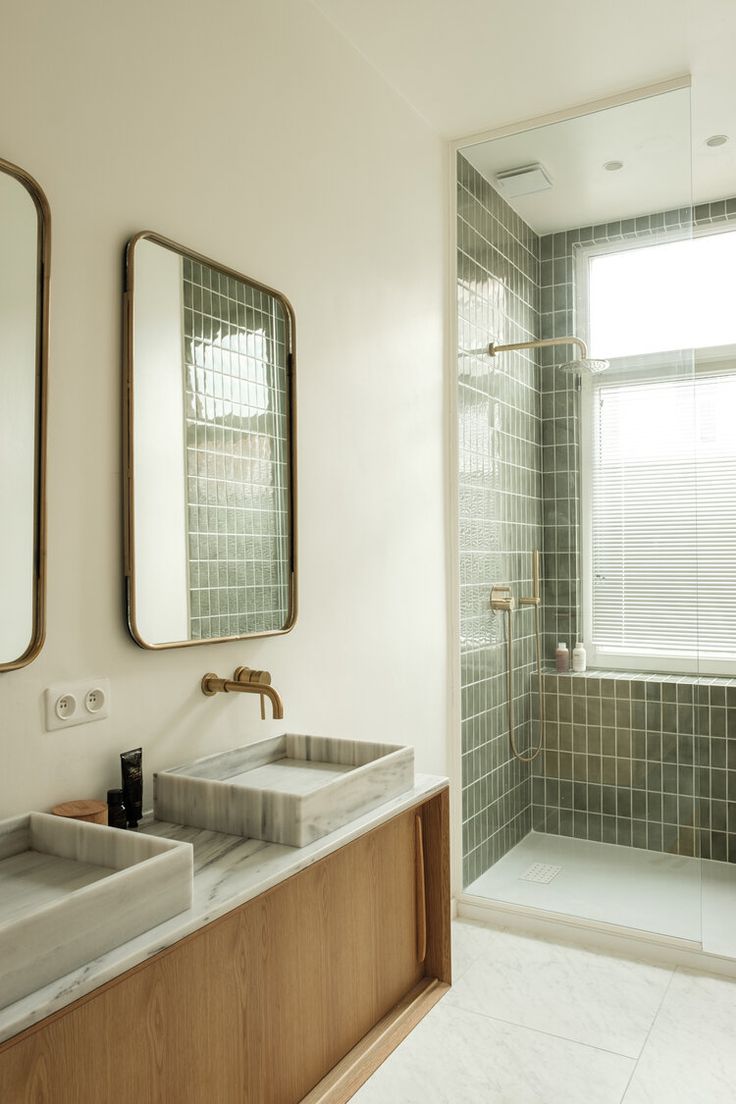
<point x="288" y="789"/>
<point x="70" y="891"/>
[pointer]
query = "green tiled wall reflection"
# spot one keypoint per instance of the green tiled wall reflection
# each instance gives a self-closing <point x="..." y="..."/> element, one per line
<point x="237" y="455"/>
<point x="499" y="508"/>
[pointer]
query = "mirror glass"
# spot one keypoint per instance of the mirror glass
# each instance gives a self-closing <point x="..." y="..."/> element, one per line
<point x="23" y="305"/>
<point x="210" y="364"/>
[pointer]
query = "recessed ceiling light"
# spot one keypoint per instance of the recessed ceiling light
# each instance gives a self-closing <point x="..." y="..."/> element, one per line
<point x="716" y="140"/>
<point x="613" y="166"/>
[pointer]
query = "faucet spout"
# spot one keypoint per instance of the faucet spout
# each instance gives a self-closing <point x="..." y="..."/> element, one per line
<point x="246" y="681"/>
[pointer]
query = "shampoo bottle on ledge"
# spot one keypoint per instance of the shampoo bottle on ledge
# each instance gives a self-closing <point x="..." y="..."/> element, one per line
<point x="579" y="658"/>
<point x="562" y="659"/>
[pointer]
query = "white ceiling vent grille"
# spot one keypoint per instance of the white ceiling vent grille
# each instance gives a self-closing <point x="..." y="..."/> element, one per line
<point x="524" y="181"/>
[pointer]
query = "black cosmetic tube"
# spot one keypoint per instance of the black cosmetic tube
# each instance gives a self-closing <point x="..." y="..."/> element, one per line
<point x="131" y="765"/>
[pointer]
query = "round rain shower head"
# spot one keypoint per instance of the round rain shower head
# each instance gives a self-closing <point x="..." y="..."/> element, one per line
<point x="585" y="364"/>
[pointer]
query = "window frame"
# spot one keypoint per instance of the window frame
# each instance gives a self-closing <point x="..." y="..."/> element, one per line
<point x="672" y="364"/>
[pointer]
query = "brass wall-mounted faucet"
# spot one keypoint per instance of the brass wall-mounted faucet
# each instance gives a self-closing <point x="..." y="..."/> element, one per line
<point x="246" y="681"/>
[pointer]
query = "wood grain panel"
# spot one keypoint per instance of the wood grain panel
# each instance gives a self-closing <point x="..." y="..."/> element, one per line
<point x="344" y="1080"/>
<point x="257" y="1007"/>
<point x="436" y="824"/>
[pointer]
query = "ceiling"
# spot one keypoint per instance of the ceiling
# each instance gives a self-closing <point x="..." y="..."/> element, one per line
<point x="475" y="65"/>
<point x="650" y="136"/>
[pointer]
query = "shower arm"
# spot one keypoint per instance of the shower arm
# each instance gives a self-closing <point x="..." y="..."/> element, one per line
<point x="542" y="343"/>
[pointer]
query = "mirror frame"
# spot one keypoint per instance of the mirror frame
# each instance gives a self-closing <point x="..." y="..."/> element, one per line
<point x="43" y="248"/>
<point x="129" y="440"/>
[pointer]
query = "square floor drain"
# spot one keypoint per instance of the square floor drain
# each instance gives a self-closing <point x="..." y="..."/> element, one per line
<point x="540" y="872"/>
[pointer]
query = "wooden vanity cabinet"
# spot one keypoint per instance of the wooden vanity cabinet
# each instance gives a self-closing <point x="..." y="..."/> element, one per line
<point x="296" y="995"/>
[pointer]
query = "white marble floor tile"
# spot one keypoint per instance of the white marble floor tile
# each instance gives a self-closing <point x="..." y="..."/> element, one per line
<point x="690" y="1056"/>
<point x="469" y="940"/>
<point x="458" y="1057"/>
<point x="566" y="991"/>
<point x="601" y="881"/>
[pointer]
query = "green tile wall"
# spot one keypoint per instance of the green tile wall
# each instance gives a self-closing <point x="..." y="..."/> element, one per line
<point x="500" y="516"/>
<point x="645" y="761"/>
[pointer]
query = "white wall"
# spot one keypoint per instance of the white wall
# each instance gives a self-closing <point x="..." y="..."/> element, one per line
<point x="249" y="131"/>
<point x="161" y="554"/>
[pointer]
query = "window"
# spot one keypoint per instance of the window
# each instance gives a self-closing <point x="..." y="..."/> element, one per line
<point x="670" y="295"/>
<point x="659" y="471"/>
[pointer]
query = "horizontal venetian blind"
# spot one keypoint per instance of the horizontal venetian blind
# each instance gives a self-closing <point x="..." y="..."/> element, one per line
<point x="664" y="518"/>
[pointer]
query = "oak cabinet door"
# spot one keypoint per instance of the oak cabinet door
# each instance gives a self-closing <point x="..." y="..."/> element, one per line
<point x="253" y="1009"/>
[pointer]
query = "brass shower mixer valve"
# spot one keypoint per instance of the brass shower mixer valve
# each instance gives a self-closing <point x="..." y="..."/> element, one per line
<point x="502" y="599"/>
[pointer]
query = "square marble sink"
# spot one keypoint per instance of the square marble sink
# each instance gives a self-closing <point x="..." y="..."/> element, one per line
<point x="71" y="890"/>
<point x="287" y="789"/>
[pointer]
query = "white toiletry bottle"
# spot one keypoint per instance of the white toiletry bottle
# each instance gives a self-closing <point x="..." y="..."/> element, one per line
<point x="579" y="658"/>
<point x="562" y="659"/>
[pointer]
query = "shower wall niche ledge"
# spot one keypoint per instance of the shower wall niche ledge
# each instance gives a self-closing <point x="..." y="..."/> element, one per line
<point x="643" y="676"/>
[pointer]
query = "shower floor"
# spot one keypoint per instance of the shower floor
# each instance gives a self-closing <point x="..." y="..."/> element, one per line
<point x="691" y="899"/>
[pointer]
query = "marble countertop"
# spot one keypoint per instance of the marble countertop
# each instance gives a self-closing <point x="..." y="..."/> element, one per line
<point x="228" y="871"/>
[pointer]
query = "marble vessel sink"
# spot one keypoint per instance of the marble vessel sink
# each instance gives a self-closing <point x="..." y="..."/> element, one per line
<point x="287" y="789"/>
<point x="71" y="890"/>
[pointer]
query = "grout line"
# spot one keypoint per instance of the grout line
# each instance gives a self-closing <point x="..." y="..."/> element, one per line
<point x="540" y="1031"/>
<point x="649" y="1032"/>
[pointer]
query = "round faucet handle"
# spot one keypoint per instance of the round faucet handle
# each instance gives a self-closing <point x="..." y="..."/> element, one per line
<point x="247" y="674"/>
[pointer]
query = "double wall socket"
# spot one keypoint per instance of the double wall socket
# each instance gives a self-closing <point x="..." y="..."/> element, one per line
<point x="76" y="703"/>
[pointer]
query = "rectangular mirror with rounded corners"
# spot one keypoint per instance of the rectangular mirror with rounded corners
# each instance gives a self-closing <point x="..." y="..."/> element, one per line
<point x="24" y="275"/>
<point x="210" y="443"/>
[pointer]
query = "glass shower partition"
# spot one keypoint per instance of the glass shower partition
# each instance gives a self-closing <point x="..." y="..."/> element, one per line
<point x="600" y="471"/>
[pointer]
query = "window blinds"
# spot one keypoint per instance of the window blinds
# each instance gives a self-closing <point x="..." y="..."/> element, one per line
<point x="664" y="518"/>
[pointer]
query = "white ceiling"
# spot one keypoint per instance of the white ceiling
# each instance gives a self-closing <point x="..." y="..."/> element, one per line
<point x="469" y="66"/>
<point x="652" y="139"/>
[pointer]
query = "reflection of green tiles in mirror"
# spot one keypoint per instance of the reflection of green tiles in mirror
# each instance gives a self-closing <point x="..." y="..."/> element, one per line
<point x="237" y="454"/>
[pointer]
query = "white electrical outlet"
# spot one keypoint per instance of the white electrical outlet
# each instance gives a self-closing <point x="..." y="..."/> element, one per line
<point x="76" y="703"/>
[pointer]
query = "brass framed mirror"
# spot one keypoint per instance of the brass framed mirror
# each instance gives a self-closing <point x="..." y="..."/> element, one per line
<point x="210" y="534"/>
<point x="25" y="234"/>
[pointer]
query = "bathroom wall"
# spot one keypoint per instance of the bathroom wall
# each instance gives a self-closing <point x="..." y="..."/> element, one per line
<point x="499" y="507"/>
<point x="255" y="134"/>
<point x="642" y="760"/>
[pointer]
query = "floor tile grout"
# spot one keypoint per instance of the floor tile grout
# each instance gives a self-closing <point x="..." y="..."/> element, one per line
<point x="674" y="1067"/>
<point x="649" y="1032"/>
<point x="547" y="1034"/>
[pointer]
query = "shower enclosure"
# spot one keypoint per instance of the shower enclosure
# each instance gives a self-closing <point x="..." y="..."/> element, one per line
<point x="621" y="475"/>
